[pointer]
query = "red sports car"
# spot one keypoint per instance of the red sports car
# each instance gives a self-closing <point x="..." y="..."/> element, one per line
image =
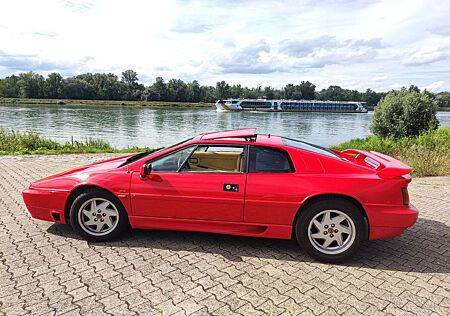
<point x="236" y="182"/>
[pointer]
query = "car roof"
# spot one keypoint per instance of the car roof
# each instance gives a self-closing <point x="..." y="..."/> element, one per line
<point x="244" y="135"/>
<point x="236" y="133"/>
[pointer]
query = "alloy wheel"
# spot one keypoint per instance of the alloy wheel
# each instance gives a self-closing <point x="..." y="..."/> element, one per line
<point x="331" y="232"/>
<point x="98" y="216"/>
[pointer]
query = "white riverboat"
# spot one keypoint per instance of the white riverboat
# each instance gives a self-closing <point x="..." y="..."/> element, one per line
<point x="265" y="105"/>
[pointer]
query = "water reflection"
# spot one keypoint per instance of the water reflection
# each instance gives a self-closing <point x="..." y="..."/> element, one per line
<point x="143" y="126"/>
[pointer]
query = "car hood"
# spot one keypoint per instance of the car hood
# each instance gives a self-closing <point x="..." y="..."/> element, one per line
<point x="80" y="173"/>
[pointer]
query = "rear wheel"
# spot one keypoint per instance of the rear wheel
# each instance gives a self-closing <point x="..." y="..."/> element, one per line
<point x="98" y="215"/>
<point x="331" y="230"/>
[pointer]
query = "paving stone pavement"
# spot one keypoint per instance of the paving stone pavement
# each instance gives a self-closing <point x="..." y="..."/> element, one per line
<point x="45" y="269"/>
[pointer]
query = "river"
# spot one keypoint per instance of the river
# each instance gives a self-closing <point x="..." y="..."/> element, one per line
<point x="125" y="126"/>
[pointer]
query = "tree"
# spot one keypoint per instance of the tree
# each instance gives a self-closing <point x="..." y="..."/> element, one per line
<point x="292" y="92"/>
<point x="177" y="90"/>
<point x="236" y="91"/>
<point x="404" y="113"/>
<point x="222" y="90"/>
<point x="332" y="93"/>
<point x="31" y="85"/>
<point x="130" y="77"/>
<point x="307" y="90"/>
<point x="443" y="99"/>
<point x="371" y="97"/>
<point x="269" y="92"/>
<point x="413" y="88"/>
<point x="9" y="87"/>
<point x="156" y="92"/>
<point x="54" y="86"/>
<point x="129" y="86"/>
<point x="78" y="89"/>
<point x="194" y="91"/>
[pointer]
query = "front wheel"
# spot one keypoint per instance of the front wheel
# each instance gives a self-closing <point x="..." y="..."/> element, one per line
<point x="97" y="215"/>
<point x="331" y="230"/>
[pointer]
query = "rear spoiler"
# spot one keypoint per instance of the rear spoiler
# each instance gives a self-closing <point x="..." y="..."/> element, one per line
<point x="386" y="166"/>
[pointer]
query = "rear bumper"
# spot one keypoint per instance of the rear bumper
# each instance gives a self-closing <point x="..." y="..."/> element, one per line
<point x="387" y="222"/>
<point x="47" y="205"/>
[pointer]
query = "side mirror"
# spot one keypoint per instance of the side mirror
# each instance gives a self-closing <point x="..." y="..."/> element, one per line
<point x="145" y="170"/>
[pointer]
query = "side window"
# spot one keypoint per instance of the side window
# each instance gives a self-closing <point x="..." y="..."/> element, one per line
<point x="265" y="159"/>
<point x="216" y="159"/>
<point x="171" y="162"/>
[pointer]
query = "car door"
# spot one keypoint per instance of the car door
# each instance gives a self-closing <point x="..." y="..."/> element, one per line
<point x="272" y="192"/>
<point x="205" y="182"/>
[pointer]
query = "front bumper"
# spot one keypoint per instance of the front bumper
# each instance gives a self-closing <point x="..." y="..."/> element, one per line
<point x="47" y="205"/>
<point x="387" y="222"/>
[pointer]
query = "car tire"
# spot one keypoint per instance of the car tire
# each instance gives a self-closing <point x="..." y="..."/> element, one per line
<point x="98" y="215"/>
<point x="331" y="230"/>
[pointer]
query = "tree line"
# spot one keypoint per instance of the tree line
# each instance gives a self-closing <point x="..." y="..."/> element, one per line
<point x="101" y="86"/>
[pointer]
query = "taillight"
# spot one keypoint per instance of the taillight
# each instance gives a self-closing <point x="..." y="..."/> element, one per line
<point x="405" y="196"/>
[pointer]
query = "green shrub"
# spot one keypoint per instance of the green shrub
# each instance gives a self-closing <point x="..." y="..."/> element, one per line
<point x="404" y="113"/>
<point x="18" y="143"/>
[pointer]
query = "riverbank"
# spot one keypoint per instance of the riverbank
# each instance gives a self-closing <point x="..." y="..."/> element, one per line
<point x="18" y="101"/>
<point x="30" y="143"/>
<point x="24" y="101"/>
<point x="428" y="154"/>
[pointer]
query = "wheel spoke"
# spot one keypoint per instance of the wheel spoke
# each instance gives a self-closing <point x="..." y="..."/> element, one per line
<point x="326" y="217"/>
<point x="108" y="222"/>
<point x="339" y="239"/>
<point x="110" y="212"/>
<point x="318" y="236"/>
<point x="99" y="226"/>
<point x="317" y="224"/>
<point x="103" y="206"/>
<point x="327" y="242"/>
<point x="90" y="222"/>
<point x="88" y="214"/>
<point x="93" y="206"/>
<point x="338" y="219"/>
<point x="344" y="229"/>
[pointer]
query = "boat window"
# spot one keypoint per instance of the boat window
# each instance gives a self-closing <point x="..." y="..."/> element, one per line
<point x="207" y="158"/>
<point x="309" y="147"/>
<point x="171" y="162"/>
<point x="265" y="159"/>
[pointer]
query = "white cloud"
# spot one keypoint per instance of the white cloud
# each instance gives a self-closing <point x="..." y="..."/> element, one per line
<point x="426" y="55"/>
<point x="437" y="86"/>
<point x="355" y="44"/>
<point x="379" y="78"/>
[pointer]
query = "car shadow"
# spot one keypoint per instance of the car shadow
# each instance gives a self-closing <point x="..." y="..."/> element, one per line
<point x="423" y="248"/>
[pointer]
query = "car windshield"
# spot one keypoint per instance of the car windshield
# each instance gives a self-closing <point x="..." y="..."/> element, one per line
<point x="309" y="147"/>
<point x="146" y="153"/>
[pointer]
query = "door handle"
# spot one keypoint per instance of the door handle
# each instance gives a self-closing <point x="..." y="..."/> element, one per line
<point x="231" y="187"/>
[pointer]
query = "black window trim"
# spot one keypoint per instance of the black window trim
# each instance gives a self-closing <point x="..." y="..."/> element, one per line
<point x="334" y="155"/>
<point x="291" y="164"/>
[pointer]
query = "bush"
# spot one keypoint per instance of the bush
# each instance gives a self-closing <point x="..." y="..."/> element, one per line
<point x="404" y="113"/>
<point x="19" y="143"/>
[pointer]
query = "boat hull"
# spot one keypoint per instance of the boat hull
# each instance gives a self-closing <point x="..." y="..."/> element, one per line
<point x="291" y="106"/>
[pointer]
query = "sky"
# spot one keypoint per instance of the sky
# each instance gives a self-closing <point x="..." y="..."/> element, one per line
<point x="380" y="45"/>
